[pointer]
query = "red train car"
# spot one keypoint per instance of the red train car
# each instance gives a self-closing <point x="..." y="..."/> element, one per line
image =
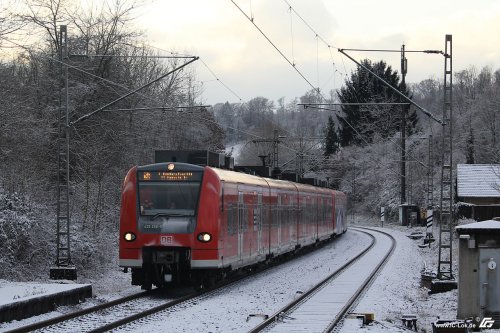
<point x="183" y="223"/>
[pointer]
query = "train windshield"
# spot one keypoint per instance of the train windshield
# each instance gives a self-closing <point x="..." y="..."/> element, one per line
<point x="168" y="201"/>
<point x="168" y="198"/>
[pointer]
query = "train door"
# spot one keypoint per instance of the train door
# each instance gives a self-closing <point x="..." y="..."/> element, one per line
<point x="267" y="221"/>
<point x="259" y="212"/>
<point x="279" y="218"/>
<point x="303" y="220"/>
<point x="273" y="222"/>
<point x="241" y="219"/>
<point x="321" y="217"/>
<point x="291" y="222"/>
<point x="314" y="226"/>
<point x="330" y="215"/>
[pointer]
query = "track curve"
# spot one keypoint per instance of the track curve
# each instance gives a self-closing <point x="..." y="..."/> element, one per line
<point x="322" y="307"/>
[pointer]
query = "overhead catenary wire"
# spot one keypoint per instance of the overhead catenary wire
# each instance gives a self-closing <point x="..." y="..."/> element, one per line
<point x="274" y="45"/>
<point x="132" y="91"/>
<point x="124" y="87"/>
<point x="307" y="24"/>
<point x="216" y="77"/>
<point x="316" y="34"/>
<point x="291" y="33"/>
<point x="390" y="86"/>
<point x="291" y="64"/>
<point x="220" y="81"/>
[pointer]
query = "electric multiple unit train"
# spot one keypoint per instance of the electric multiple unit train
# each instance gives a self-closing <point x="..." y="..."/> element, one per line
<point x="187" y="224"/>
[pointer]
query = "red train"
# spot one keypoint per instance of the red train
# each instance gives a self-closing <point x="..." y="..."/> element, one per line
<point x="183" y="223"/>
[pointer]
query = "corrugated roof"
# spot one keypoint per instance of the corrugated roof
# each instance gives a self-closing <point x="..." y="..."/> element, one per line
<point x="478" y="180"/>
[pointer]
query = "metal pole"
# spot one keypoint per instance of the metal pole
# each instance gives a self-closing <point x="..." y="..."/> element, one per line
<point x="430" y="211"/>
<point x="445" y="264"/>
<point x="67" y="146"/>
<point x="275" y="149"/>
<point x="64" y="268"/>
<point x="403" y="130"/>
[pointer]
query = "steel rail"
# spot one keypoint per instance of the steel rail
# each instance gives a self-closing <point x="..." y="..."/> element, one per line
<point x="365" y="284"/>
<point x="66" y="317"/>
<point x="145" y="313"/>
<point x="271" y="319"/>
<point x="141" y="314"/>
<point x="207" y="292"/>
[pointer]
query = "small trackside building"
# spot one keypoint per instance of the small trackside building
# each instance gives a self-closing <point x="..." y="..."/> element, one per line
<point x="479" y="271"/>
<point x="478" y="191"/>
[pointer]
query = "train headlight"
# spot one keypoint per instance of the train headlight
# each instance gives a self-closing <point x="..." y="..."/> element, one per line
<point x="129" y="236"/>
<point x="204" y="237"/>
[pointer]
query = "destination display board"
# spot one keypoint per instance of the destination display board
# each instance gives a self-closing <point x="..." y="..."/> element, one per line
<point x="169" y="176"/>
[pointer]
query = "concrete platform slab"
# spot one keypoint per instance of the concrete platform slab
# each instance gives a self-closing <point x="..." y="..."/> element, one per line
<point x="19" y="300"/>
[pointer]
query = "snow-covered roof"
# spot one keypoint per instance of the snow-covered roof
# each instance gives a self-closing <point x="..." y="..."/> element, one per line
<point x="478" y="180"/>
<point x="484" y="225"/>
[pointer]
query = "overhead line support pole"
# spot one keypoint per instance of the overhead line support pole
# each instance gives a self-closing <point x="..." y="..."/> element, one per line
<point x="403" y="131"/>
<point x="446" y="216"/>
<point x="64" y="267"/>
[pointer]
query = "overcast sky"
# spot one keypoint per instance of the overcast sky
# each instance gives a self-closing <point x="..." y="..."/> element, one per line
<point x="240" y="56"/>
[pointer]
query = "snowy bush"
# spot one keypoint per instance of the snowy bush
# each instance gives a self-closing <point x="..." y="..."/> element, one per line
<point x="22" y="239"/>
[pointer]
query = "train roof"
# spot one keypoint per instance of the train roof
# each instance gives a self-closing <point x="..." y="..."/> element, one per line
<point x="238" y="177"/>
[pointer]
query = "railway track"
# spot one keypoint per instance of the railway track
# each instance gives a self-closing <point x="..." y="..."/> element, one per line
<point x="323" y="306"/>
<point x="120" y="312"/>
<point x="103" y="317"/>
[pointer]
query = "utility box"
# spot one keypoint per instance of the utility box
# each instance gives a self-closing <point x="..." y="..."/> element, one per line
<point x="409" y="215"/>
<point x="479" y="272"/>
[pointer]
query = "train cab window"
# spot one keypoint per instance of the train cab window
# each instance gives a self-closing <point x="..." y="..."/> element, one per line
<point x="168" y="205"/>
<point x="178" y="198"/>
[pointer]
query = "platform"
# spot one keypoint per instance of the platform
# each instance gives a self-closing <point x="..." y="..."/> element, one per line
<point x="19" y="300"/>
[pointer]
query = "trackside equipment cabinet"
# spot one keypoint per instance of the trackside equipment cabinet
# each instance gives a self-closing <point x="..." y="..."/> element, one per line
<point x="479" y="272"/>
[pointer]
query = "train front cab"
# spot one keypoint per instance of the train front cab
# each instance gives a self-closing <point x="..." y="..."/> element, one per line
<point x="168" y="223"/>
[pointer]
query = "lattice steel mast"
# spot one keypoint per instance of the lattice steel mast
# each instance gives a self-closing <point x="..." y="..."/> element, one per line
<point x="446" y="198"/>
<point x="64" y="266"/>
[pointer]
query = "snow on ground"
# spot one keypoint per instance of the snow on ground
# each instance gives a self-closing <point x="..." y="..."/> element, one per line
<point x="395" y="292"/>
<point x="11" y="292"/>
<point x="114" y="285"/>
<point x="264" y="293"/>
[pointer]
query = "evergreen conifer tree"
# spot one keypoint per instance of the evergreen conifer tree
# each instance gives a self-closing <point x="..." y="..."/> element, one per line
<point x="369" y="120"/>
<point x="332" y="138"/>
